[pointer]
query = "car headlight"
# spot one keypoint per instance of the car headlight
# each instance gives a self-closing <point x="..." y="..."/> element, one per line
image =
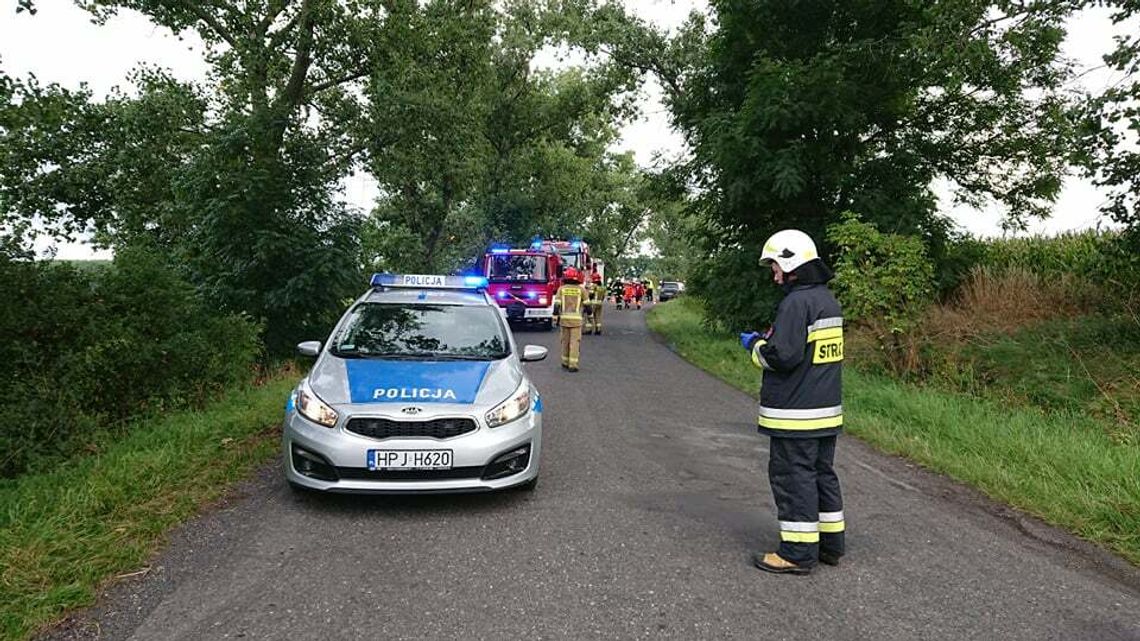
<point x="514" y="408"/>
<point x="313" y="408"/>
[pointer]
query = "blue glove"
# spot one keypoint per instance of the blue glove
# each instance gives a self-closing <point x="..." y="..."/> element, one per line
<point x="748" y="339"/>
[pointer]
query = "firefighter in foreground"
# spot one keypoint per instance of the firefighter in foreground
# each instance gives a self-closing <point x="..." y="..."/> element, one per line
<point x="801" y="406"/>
<point x="568" y="304"/>
<point x="597" y="295"/>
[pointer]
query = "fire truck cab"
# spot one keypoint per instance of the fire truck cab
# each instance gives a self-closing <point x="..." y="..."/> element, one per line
<point x="576" y="253"/>
<point x="523" y="282"/>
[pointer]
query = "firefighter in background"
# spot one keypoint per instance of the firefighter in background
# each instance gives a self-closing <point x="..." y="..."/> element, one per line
<point x="597" y="293"/>
<point x="638" y="292"/>
<point x="615" y="291"/>
<point x="801" y="406"/>
<point x="628" y="292"/>
<point x="649" y="290"/>
<point x="568" y="304"/>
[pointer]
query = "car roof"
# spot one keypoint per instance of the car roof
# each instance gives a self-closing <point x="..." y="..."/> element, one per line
<point x="421" y="296"/>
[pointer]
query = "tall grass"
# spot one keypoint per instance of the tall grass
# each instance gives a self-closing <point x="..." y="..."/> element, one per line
<point x="1063" y="467"/>
<point x="66" y="532"/>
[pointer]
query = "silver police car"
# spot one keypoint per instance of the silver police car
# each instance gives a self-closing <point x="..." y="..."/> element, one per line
<point x="420" y="388"/>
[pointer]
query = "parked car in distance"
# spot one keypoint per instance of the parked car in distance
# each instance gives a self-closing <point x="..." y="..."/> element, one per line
<point x="669" y="290"/>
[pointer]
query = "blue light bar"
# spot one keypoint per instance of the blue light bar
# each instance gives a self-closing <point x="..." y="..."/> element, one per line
<point x="500" y="250"/>
<point x="428" y="281"/>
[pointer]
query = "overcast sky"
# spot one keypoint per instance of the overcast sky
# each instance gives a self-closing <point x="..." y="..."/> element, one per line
<point x="60" y="44"/>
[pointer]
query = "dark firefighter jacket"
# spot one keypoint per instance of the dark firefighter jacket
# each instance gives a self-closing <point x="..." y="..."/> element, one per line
<point x="802" y="359"/>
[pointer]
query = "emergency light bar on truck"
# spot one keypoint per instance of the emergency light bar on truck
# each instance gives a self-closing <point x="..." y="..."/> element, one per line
<point x="429" y="281"/>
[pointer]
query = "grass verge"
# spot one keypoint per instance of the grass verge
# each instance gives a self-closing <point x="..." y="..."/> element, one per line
<point x="1062" y="467"/>
<point x="67" y="532"/>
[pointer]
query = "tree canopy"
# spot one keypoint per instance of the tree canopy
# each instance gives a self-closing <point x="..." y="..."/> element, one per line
<point x="793" y="112"/>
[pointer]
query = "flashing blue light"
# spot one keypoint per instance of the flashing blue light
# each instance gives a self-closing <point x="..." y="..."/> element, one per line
<point x="475" y="281"/>
<point x="499" y="250"/>
<point x="380" y="280"/>
<point x="532" y="295"/>
<point x="576" y="244"/>
<point x="503" y="294"/>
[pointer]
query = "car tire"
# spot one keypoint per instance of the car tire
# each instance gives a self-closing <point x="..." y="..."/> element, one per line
<point x="547" y="325"/>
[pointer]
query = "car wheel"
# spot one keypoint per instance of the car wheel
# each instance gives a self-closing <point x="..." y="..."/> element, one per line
<point x="547" y="325"/>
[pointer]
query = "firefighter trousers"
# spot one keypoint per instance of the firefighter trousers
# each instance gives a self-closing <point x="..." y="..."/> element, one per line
<point x="595" y="320"/>
<point x="571" y="344"/>
<point x="809" y="503"/>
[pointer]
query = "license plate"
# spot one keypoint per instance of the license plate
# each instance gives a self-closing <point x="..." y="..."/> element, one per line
<point x="409" y="459"/>
<point x="538" y="313"/>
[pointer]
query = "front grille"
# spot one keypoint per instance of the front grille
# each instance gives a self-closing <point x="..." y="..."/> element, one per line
<point x="380" y="428"/>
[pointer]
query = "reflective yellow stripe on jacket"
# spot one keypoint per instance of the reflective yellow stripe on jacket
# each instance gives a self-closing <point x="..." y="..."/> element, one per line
<point x="801" y="420"/>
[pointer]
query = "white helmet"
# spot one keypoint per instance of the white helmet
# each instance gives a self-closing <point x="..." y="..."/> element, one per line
<point x="789" y="249"/>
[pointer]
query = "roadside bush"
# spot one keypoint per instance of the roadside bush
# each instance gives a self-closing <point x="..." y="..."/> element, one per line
<point x="86" y="349"/>
<point x="885" y="282"/>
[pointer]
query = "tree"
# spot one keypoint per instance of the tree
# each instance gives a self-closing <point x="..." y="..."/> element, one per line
<point x="470" y="144"/>
<point x="237" y="177"/>
<point x="797" y="111"/>
<point x="1110" y="149"/>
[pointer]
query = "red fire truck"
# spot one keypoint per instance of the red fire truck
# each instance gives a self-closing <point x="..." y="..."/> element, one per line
<point x="524" y="281"/>
<point x="576" y="253"/>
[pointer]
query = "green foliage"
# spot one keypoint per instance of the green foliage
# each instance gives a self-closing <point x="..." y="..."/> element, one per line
<point x="1087" y="364"/>
<point x="1087" y="253"/>
<point x="64" y="533"/>
<point x="88" y="349"/>
<point x="880" y="277"/>
<point x="736" y="289"/>
<point x="471" y="145"/>
<point x="796" y="112"/>
<point x="235" y="179"/>
<point x="1110" y="144"/>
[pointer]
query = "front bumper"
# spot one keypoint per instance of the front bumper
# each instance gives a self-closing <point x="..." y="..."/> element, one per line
<point x="518" y="311"/>
<point x="340" y="457"/>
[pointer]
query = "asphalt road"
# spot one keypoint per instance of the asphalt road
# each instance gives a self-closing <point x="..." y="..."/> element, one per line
<point x="653" y="493"/>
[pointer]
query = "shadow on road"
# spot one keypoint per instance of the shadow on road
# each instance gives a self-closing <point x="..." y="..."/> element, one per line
<point x="406" y="504"/>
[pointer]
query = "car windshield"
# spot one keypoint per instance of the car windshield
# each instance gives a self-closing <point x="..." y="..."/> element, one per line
<point x="669" y="286"/>
<point x="429" y="332"/>
<point x="518" y="267"/>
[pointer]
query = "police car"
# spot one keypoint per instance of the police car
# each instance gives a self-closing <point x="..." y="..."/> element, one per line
<point x="420" y="388"/>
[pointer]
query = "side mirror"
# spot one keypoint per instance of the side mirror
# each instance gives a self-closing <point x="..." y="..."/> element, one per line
<point x="309" y="348"/>
<point x="533" y="353"/>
